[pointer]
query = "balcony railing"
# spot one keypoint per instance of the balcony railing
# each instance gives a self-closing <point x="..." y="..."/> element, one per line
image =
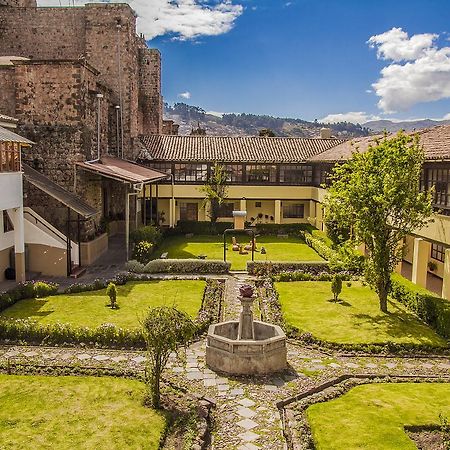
<point x="9" y="157"/>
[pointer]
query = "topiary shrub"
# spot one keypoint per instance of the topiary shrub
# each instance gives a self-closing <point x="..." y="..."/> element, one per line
<point x="142" y="251"/>
<point x="43" y="289"/>
<point x="187" y="266"/>
<point x="111" y="292"/>
<point x="336" y="287"/>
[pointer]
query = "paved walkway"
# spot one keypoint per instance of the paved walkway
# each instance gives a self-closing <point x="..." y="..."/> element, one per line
<point x="246" y="416"/>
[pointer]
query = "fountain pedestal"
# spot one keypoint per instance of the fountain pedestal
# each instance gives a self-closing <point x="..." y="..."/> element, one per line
<point x="246" y="347"/>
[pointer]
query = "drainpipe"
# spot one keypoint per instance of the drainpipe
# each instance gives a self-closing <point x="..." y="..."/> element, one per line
<point x="117" y="131"/>
<point x="99" y="100"/>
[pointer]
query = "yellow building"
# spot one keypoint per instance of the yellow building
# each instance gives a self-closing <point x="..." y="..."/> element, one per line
<point x="278" y="180"/>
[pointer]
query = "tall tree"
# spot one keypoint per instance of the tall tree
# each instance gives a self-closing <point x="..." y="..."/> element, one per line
<point x="376" y="194"/>
<point x="216" y="190"/>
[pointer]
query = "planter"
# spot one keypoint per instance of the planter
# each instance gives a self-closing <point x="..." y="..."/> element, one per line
<point x="92" y="250"/>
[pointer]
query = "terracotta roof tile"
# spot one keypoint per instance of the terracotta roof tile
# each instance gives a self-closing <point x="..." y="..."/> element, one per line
<point x="232" y="149"/>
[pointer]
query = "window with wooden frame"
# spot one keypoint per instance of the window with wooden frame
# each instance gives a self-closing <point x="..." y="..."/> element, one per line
<point x="438" y="252"/>
<point x="293" y="211"/>
<point x="259" y="173"/>
<point x="296" y="174"/>
<point x="191" y="172"/>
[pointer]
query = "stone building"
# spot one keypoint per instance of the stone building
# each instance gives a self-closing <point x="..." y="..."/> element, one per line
<point x="82" y="85"/>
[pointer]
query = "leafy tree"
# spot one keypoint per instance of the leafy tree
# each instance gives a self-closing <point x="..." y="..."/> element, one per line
<point x="377" y="195"/>
<point x="266" y="132"/>
<point x="336" y="287"/>
<point x="215" y="190"/>
<point x="165" y="328"/>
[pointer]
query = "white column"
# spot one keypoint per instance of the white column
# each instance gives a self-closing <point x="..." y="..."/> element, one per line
<point x="446" y="279"/>
<point x="16" y="215"/>
<point x="171" y="212"/>
<point x="277" y="211"/>
<point x="420" y="262"/>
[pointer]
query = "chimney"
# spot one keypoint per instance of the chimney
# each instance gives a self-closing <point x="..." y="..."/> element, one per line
<point x="325" y="133"/>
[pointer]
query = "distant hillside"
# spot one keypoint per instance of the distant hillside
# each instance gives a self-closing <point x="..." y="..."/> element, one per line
<point x="189" y="117"/>
<point x="381" y="125"/>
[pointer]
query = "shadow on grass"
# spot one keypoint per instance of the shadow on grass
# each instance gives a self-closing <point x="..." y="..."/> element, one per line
<point x="340" y="301"/>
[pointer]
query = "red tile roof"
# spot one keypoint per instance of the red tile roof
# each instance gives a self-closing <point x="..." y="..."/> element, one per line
<point x="232" y="149"/>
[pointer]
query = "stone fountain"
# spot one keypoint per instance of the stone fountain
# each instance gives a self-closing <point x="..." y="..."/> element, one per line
<point x="246" y="347"/>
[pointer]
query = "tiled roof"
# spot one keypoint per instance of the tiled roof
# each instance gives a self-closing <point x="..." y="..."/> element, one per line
<point x="123" y="170"/>
<point x="9" y="136"/>
<point x="232" y="149"/>
<point x="8" y="119"/>
<point x="435" y="141"/>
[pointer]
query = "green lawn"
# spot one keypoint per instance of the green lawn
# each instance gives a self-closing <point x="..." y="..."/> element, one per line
<point x="278" y="249"/>
<point x="373" y="416"/>
<point x="90" y="308"/>
<point x="41" y="412"/>
<point x="308" y="306"/>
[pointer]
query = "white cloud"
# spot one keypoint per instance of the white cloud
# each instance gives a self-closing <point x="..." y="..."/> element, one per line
<point x="186" y="95"/>
<point x="396" y="45"/>
<point x="215" y="113"/>
<point x="352" y="116"/>
<point x="187" y="19"/>
<point x="420" y="71"/>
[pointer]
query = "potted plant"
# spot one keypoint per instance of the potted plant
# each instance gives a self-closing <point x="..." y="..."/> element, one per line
<point x="432" y="266"/>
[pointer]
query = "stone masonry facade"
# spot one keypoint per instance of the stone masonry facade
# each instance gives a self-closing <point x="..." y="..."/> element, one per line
<point x="63" y="58"/>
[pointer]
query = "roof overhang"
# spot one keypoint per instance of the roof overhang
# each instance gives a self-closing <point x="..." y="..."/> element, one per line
<point x="9" y="136"/>
<point x="123" y="170"/>
<point x="67" y="198"/>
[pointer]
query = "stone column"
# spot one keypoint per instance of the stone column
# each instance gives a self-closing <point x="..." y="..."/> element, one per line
<point x="319" y="216"/>
<point x="246" y="330"/>
<point x="171" y="212"/>
<point x="446" y="278"/>
<point x="420" y="262"/>
<point x="243" y="204"/>
<point x="19" y="242"/>
<point x="312" y="212"/>
<point x="277" y="211"/>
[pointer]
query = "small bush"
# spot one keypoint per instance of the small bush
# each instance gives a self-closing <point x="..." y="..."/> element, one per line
<point x="336" y="287"/>
<point x="142" y="251"/>
<point x="187" y="266"/>
<point x="42" y="289"/>
<point x="148" y="233"/>
<point x="111" y="292"/>
<point x="134" y="266"/>
<point x="433" y="310"/>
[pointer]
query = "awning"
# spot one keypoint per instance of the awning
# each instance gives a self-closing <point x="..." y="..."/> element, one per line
<point x="9" y="136"/>
<point x="57" y="192"/>
<point x="123" y="170"/>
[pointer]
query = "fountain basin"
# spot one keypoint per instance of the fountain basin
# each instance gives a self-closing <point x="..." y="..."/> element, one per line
<point x="264" y="354"/>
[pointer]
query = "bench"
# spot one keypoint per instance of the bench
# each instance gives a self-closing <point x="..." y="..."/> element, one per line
<point x="164" y="255"/>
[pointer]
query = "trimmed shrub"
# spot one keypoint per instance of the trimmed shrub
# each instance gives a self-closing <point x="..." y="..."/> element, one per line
<point x="336" y="287"/>
<point x="148" y="233"/>
<point x="274" y="267"/>
<point x="142" y="251"/>
<point x="319" y="246"/>
<point x="134" y="266"/>
<point x="433" y="310"/>
<point x="43" y="289"/>
<point x="287" y="228"/>
<point x="208" y="228"/>
<point x="303" y="276"/>
<point x="111" y="292"/>
<point x="187" y="266"/>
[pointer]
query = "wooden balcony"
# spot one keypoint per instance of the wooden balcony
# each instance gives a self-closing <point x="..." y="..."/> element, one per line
<point x="10" y="157"/>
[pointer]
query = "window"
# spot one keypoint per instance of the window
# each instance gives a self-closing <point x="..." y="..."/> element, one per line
<point x="191" y="172"/>
<point x="162" y="167"/>
<point x="440" y="179"/>
<point x="294" y="211"/>
<point x="7" y="224"/>
<point x="261" y="174"/>
<point x="226" y="210"/>
<point x="296" y="174"/>
<point x="438" y="252"/>
<point x="234" y="173"/>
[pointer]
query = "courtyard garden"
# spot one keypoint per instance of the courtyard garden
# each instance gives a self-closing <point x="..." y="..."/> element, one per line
<point x="91" y="308"/>
<point x="276" y="248"/>
<point x="374" y="416"/>
<point x="77" y="412"/>
<point x="308" y="306"/>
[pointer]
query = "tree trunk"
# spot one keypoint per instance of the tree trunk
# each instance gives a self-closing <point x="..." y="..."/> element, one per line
<point x="382" y="296"/>
<point x="155" y="391"/>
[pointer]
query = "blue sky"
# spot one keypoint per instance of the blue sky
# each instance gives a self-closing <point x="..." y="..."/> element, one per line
<point x="310" y="59"/>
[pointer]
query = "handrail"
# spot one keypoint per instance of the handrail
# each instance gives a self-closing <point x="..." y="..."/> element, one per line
<point x="60" y="236"/>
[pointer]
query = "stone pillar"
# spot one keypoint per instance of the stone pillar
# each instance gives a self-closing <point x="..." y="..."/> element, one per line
<point x="16" y="215"/>
<point x="243" y="204"/>
<point x="420" y="262"/>
<point x="246" y="330"/>
<point x="319" y="216"/>
<point x="446" y="279"/>
<point x="277" y="211"/>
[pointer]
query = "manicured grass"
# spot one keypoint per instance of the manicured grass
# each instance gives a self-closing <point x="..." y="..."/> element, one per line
<point x="41" y="412"/>
<point x="308" y="306"/>
<point x="90" y="308"/>
<point x="373" y="416"/>
<point x="278" y="249"/>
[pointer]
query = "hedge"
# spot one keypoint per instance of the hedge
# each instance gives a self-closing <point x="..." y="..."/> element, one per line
<point x="180" y="266"/>
<point x="196" y="227"/>
<point x="287" y="228"/>
<point x="274" y="267"/>
<point x="433" y="310"/>
<point x="319" y="246"/>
